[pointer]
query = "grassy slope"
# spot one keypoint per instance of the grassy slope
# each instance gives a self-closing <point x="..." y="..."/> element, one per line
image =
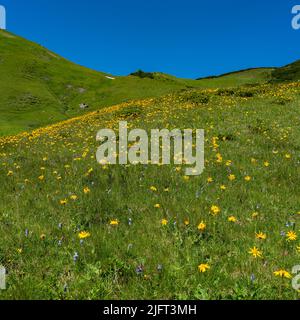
<point x="256" y="128"/>
<point x="38" y="87"/>
<point x="291" y="72"/>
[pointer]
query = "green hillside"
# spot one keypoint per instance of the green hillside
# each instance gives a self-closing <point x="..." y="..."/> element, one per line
<point x="291" y="72"/>
<point x="38" y="87"/>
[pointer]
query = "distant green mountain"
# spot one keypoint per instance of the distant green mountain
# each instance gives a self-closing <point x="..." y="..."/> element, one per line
<point x="291" y="72"/>
<point x="38" y="87"/>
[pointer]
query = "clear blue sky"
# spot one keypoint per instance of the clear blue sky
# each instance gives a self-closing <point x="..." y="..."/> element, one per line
<point x="186" y="38"/>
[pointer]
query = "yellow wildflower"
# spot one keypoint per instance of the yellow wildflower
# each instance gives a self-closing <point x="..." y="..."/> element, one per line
<point x="232" y="219"/>
<point x="203" y="267"/>
<point x="256" y="253"/>
<point x="283" y="274"/>
<point x="231" y="177"/>
<point x="164" y="222"/>
<point x="201" y="226"/>
<point x="261" y="236"/>
<point x="215" y="210"/>
<point x="114" y="222"/>
<point x="84" y="235"/>
<point x="86" y="190"/>
<point x="291" y="236"/>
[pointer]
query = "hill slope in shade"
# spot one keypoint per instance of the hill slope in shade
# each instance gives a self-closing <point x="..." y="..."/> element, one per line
<point x="38" y="87"/>
<point x="290" y="72"/>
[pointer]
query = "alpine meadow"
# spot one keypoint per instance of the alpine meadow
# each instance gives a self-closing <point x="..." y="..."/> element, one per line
<point x="71" y="228"/>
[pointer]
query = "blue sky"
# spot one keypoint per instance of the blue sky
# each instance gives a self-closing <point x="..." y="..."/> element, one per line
<point x="186" y="38"/>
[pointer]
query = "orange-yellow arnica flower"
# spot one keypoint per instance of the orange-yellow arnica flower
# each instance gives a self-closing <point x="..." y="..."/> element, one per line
<point x="231" y="177"/>
<point x="247" y="178"/>
<point x="291" y="236"/>
<point x="261" y="236"/>
<point x="201" y="226"/>
<point x="73" y="197"/>
<point x="223" y="187"/>
<point x="42" y="236"/>
<point x="152" y="188"/>
<point x="232" y="219"/>
<point x="210" y="180"/>
<point x="256" y="253"/>
<point x="84" y="235"/>
<point x="157" y="206"/>
<point x="63" y="202"/>
<point x="215" y="210"/>
<point x="10" y="173"/>
<point x="86" y="190"/>
<point x="114" y="222"/>
<point x="186" y="222"/>
<point x="41" y="177"/>
<point x="164" y="222"/>
<point x="203" y="267"/>
<point x="283" y="274"/>
<point x="255" y="215"/>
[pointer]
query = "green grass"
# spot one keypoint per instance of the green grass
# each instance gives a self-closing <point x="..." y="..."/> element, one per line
<point x="38" y="87"/>
<point x="256" y="128"/>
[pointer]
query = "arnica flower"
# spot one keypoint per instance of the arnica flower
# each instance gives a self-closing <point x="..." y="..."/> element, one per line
<point x="228" y="163"/>
<point x="283" y="274"/>
<point x="255" y="215"/>
<point x="73" y="197"/>
<point x="157" y="206"/>
<point x="203" y="267"/>
<point x="41" y="178"/>
<point x="255" y="252"/>
<point x="164" y="222"/>
<point x="223" y="187"/>
<point x="63" y="202"/>
<point x="186" y="222"/>
<point x="19" y="250"/>
<point x="261" y="236"/>
<point x="232" y="219"/>
<point x="42" y="236"/>
<point x="215" y="210"/>
<point x="231" y="177"/>
<point x="86" y="190"/>
<point x="10" y="173"/>
<point x="84" y="235"/>
<point x="247" y="178"/>
<point x="210" y="180"/>
<point x="266" y="164"/>
<point x="291" y="236"/>
<point x="201" y="226"/>
<point x="114" y="222"/>
<point x="152" y="188"/>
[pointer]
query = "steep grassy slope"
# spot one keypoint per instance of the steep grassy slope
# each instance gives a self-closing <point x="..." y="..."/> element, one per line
<point x="38" y="87"/>
<point x="149" y="228"/>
